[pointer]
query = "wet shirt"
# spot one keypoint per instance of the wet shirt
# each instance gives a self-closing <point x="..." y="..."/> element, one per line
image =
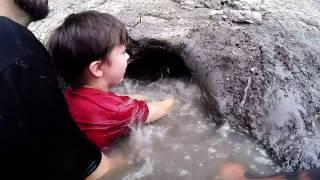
<point x="38" y="137"/>
<point x="104" y="116"/>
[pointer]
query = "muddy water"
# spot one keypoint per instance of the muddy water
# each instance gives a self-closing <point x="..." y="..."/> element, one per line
<point x="185" y="144"/>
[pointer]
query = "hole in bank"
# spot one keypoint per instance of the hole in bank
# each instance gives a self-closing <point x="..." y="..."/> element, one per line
<point x="186" y="144"/>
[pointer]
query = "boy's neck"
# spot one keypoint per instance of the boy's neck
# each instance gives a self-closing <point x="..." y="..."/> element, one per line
<point x="101" y="88"/>
<point x="95" y="83"/>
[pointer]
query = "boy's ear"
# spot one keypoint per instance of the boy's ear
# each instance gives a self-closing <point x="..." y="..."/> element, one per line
<point x="95" y="68"/>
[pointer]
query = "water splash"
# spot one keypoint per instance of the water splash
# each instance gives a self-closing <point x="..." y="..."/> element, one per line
<point x="147" y="169"/>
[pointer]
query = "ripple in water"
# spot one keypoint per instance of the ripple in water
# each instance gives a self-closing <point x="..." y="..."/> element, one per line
<point x="185" y="144"/>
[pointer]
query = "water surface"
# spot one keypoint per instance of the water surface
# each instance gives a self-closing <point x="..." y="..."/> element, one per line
<point x="186" y="144"/>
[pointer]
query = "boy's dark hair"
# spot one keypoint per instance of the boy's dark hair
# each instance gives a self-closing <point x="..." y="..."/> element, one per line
<point x="83" y="38"/>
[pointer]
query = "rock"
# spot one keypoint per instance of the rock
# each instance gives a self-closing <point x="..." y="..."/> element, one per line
<point x="257" y="62"/>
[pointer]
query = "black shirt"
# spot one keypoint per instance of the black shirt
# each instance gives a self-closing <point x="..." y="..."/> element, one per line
<point x="38" y="137"/>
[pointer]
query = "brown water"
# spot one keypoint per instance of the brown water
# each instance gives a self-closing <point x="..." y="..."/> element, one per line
<point x="185" y="144"/>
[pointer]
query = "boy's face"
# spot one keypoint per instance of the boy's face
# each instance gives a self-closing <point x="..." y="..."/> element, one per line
<point x="115" y="69"/>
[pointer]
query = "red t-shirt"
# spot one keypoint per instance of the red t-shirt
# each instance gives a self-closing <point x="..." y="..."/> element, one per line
<point x="104" y="116"/>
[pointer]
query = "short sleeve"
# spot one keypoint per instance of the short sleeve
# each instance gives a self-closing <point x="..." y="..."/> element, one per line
<point x="133" y="112"/>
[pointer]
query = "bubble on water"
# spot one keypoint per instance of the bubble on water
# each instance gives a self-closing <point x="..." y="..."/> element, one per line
<point x="263" y="160"/>
<point x="201" y="128"/>
<point x="130" y="162"/>
<point x="225" y="127"/>
<point x="187" y="158"/>
<point x="212" y="125"/>
<point x="224" y="131"/>
<point x="196" y="148"/>
<point x="253" y="167"/>
<point x="175" y="146"/>
<point x="183" y="172"/>
<point x="237" y="147"/>
<point x="278" y="169"/>
<point x="212" y="150"/>
<point x="221" y="155"/>
<point x="248" y="152"/>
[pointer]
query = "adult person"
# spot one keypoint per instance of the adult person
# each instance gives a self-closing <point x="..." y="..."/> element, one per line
<point x="39" y="139"/>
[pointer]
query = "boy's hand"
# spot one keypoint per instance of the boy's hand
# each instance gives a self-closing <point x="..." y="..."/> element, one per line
<point x="169" y="103"/>
<point x="158" y="109"/>
<point x="232" y="171"/>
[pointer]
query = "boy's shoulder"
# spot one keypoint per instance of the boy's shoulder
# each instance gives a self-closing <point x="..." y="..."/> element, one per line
<point x="94" y="95"/>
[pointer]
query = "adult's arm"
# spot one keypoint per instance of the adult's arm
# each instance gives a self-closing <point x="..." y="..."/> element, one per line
<point x="108" y="165"/>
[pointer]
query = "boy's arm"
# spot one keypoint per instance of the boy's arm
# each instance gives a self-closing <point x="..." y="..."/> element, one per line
<point x="159" y="109"/>
<point x="139" y="97"/>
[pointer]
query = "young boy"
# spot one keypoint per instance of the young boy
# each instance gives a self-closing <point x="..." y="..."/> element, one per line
<point x="89" y="51"/>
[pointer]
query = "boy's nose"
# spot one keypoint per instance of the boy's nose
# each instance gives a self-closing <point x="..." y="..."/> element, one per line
<point x="129" y="60"/>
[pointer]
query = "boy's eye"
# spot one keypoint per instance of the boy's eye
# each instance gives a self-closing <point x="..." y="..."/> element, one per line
<point x="124" y="52"/>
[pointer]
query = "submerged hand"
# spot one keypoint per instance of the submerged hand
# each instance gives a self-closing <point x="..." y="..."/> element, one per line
<point x="232" y="171"/>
